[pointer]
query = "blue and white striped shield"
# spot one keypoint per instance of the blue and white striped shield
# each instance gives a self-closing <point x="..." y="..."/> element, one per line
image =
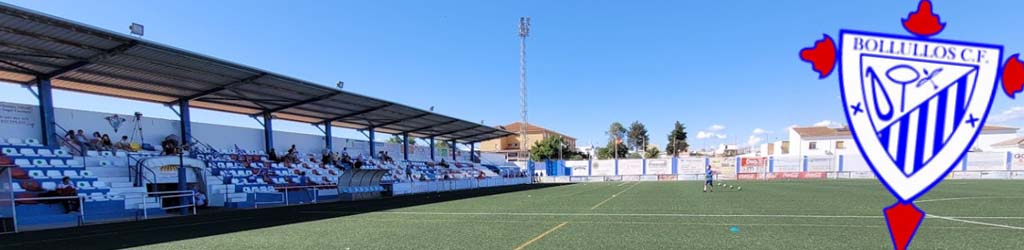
<point x="915" y="105"/>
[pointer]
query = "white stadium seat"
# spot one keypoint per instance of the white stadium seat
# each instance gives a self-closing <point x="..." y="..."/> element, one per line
<point x="40" y="163"/>
<point x="60" y="152"/>
<point x="44" y="152"/>
<point x="57" y="163"/>
<point x="86" y="174"/>
<point x="99" y="184"/>
<point x="106" y="154"/>
<point x="16" y="187"/>
<point x="53" y="174"/>
<point x="49" y="185"/>
<point x="82" y="185"/>
<point x="28" y="152"/>
<point x="15" y="141"/>
<point x="36" y="174"/>
<point x="22" y="163"/>
<point x="71" y="173"/>
<point x="33" y="142"/>
<point x="11" y="152"/>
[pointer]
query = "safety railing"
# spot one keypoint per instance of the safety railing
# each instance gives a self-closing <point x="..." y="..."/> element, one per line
<point x="136" y="171"/>
<point x="160" y="196"/>
<point x="285" y="190"/>
<point x="436" y="186"/>
<point x="81" y="206"/>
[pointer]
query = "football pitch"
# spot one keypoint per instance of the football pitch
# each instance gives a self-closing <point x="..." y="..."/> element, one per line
<point x="833" y="214"/>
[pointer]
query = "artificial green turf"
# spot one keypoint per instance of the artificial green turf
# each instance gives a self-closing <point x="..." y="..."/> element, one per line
<point x="659" y="215"/>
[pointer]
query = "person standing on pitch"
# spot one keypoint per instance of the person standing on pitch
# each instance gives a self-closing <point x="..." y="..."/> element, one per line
<point x="709" y="176"/>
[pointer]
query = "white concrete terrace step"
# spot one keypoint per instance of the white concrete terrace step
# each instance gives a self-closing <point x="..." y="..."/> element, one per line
<point x="110" y="179"/>
<point x="121" y="185"/>
<point x="129" y="189"/>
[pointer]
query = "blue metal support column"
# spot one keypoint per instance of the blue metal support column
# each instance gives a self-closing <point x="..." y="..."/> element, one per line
<point x="47" y="122"/>
<point x="432" y="149"/>
<point x="373" y="144"/>
<point x="453" y="150"/>
<point x="268" y="131"/>
<point x="185" y="121"/>
<point x="328" y="136"/>
<point x="405" y="146"/>
<point x="472" y="151"/>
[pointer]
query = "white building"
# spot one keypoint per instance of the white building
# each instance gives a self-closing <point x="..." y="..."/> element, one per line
<point x="831" y="141"/>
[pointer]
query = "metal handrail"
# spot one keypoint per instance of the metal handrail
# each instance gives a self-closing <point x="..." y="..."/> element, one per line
<point x="81" y="204"/>
<point x="140" y="177"/>
<point x="284" y="194"/>
<point x="160" y="197"/>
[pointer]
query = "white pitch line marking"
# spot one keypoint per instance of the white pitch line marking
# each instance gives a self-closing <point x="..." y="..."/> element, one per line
<point x="976" y="222"/>
<point x="613" y="196"/>
<point x="541" y="236"/>
<point x="969" y="198"/>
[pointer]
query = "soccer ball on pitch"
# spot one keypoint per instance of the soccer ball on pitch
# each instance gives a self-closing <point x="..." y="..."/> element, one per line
<point x="730" y="186"/>
<point x="739" y="188"/>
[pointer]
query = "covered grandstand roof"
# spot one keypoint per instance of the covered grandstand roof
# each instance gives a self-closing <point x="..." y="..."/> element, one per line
<point x="84" y="58"/>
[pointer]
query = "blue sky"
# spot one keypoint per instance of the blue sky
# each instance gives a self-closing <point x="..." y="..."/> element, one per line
<point x="725" y="68"/>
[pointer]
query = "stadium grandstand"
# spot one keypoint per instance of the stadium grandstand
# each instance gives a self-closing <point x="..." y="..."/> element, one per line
<point x="100" y="179"/>
<point x="72" y="178"/>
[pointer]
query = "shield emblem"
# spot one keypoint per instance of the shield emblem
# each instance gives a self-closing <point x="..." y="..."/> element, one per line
<point x="915" y="105"/>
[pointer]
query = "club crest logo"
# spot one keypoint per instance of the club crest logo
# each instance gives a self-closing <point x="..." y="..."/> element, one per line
<point x="915" y="104"/>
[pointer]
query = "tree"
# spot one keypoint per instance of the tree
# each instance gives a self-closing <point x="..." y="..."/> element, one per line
<point x="677" y="140"/>
<point x="652" y="153"/>
<point x="551" y="148"/>
<point x="637" y="137"/>
<point x="616" y="134"/>
<point x="397" y="139"/>
<point x="609" y="151"/>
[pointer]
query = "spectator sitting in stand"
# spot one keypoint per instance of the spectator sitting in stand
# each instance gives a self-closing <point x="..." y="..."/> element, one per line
<point x="292" y="156"/>
<point x="96" y="141"/>
<point x="66" y="188"/>
<point x="443" y="163"/>
<point x="200" y="198"/>
<point x="106" y="143"/>
<point x="326" y="158"/>
<point x="83" y="142"/>
<point x="71" y="143"/>
<point x="272" y="156"/>
<point x="123" y="144"/>
<point x="170" y="145"/>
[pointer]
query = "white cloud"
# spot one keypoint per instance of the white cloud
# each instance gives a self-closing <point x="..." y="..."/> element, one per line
<point x="1009" y="115"/>
<point x="753" y="140"/>
<point x="707" y="135"/>
<point x="712" y="132"/>
<point x="761" y="131"/>
<point x="828" y="123"/>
